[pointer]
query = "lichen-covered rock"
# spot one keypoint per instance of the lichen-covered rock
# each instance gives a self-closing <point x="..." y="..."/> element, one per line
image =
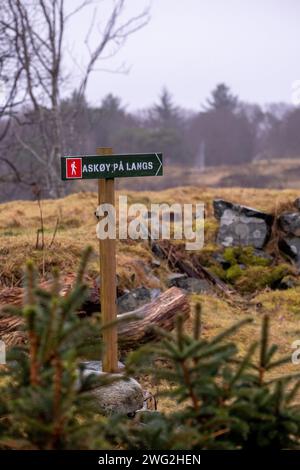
<point x="220" y="205"/>
<point x="121" y="396"/>
<point x="289" y="223"/>
<point x="241" y="225"/>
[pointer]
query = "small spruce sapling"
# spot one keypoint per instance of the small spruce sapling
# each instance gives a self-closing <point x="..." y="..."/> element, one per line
<point x="221" y="401"/>
<point x="44" y="404"/>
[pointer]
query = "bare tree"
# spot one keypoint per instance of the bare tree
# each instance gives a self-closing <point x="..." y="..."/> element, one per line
<point x="32" y="64"/>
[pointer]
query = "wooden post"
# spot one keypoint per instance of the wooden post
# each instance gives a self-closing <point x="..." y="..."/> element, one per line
<point x="108" y="288"/>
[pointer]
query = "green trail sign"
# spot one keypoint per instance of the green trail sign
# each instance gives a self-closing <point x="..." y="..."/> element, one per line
<point x="111" y="166"/>
<point x="105" y="167"/>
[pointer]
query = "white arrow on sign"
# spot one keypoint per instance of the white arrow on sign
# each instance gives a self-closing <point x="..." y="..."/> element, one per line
<point x="160" y="163"/>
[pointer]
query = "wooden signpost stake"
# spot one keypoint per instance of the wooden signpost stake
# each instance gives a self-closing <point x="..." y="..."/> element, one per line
<point x="105" y="166"/>
<point x="108" y="288"/>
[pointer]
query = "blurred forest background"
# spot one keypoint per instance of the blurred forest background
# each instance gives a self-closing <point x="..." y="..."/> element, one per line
<point x="38" y="123"/>
<point x="224" y="132"/>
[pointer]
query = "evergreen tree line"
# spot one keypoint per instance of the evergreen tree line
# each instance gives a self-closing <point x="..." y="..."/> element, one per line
<point x="223" y="131"/>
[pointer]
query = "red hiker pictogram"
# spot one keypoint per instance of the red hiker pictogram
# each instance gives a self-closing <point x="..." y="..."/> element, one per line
<point x="73" y="168"/>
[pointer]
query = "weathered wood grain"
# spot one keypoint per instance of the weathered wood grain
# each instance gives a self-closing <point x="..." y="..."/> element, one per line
<point x="134" y="328"/>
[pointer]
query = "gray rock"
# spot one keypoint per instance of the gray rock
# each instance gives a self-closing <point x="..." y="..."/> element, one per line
<point x="194" y="285"/>
<point x="122" y="396"/>
<point x="157" y="251"/>
<point x="219" y="258"/>
<point x="136" y="298"/>
<point x="291" y="247"/>
<point x="155" y="263"/>
<point x="290" y="223"/>
<point x="155" y="293"/>
<point x="242" y="266"/>
<point x="190" y="284"/>
<point x="241" y="225"/>
<point x="95" y="366"/>
<point x="263" y="255"/>
<point x="126" y="303"/>
<point x="237" y="230"/>
<point x="220" y="205"/>
<point x="174" y="278"/>
<point x="287" y="282"/>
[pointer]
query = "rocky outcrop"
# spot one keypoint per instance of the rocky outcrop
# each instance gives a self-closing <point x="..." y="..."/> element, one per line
<point x="289" y="223"/>
<point x="245" y="226"/>
<point x="122" y="396"/>
<point x="242" y="225"/>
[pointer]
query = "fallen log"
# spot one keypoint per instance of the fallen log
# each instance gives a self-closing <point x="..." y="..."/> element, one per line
<point x="161" y="312"/>
<point x="134" y="328"/>
<point x="11" y="330"/>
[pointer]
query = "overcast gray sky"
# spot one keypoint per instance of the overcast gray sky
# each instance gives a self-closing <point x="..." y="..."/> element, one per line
<point x="191" y="45"/>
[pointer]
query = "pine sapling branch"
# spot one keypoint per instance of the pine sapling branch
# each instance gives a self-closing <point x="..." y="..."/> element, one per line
<point x="183" y="364"/>
<point x="57" y="397"/>
<point x="30" y="284"/>
<point x="263" y="362"/>
<point x="197" y="322"/>
<point x="30" y="315"/>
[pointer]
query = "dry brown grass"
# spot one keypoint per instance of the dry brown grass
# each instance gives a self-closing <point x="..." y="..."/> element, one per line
<point x="218" y="314"/>
<point x="19" y="221"/>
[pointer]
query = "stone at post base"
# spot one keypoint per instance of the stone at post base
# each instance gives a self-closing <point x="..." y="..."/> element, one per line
<point x="124" y="396"/>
